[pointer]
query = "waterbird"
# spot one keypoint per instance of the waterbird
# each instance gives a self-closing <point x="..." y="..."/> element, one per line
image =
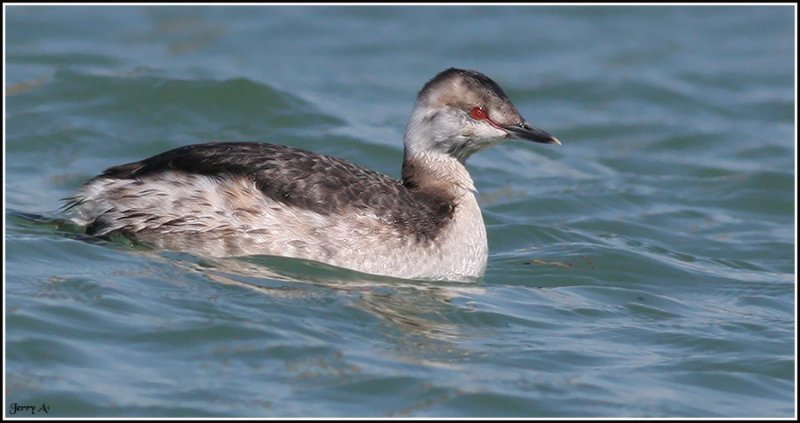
<point x="223" y="199"/>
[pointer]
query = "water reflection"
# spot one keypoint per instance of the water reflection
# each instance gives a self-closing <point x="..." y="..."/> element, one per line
<point x="421" y="317"/>
<point x="416" y="307"/>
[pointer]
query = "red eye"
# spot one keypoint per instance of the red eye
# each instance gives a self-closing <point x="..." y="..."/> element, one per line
<point x="479" y="113"/>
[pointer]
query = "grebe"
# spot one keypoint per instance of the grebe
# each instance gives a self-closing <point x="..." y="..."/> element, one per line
<point x="241" y="198"/>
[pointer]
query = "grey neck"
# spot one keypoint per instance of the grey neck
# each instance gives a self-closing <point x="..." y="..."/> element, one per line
<point x="436" y="171"/>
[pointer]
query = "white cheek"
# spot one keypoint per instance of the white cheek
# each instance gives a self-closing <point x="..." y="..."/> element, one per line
<point x="487" y="132"/>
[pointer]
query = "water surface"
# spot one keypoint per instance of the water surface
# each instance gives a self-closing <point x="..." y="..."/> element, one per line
<point x="644" y="268"/>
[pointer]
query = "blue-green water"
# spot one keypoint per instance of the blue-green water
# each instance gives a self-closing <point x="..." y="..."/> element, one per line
<point x="644" y="268"/>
